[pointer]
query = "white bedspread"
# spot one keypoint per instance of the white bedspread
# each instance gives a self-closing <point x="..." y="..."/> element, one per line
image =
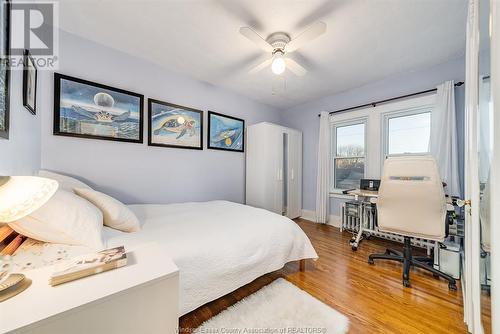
<point x="218" y="246"/>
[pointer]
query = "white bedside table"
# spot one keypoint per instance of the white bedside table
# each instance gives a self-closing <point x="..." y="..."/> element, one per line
<point x="142" y="297"/>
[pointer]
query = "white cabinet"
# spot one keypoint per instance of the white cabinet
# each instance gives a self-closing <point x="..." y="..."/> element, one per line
<point x="274" y="169"/>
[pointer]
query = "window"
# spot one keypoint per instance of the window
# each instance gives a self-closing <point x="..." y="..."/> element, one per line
<point x="348" y="155"/>
<point x="408" y="133"/>
<point x="362" y="139"/>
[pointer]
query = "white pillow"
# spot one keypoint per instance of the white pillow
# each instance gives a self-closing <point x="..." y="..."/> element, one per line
<point x="65" y="219"/>
<point x="67" y="183"/>
<point x="116" y="214"/>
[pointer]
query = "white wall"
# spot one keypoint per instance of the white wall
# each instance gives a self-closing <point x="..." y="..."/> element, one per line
<point x="20" y="154"/>
<point x="137" y="173"/>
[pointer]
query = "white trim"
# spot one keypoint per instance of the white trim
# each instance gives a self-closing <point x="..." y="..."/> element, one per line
<point x="495" y="164"/>
<point x="472" y="311"/>
<point x="311" y="216"/>
<point x="401" y="113"/>
<point x="334" y="125"/>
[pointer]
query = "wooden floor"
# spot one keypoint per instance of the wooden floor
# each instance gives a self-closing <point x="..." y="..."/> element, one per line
<point x="371" y="296"/>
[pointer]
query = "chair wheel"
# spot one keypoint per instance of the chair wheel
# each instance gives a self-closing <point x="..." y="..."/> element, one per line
<point x="370" y="261"/>
<point x="354" y="248"/>
<point x="406" y="283"/>
<point x="452" y="286"/>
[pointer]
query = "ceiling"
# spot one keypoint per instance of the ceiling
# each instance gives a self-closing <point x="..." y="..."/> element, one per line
<point x="366" y="40"/>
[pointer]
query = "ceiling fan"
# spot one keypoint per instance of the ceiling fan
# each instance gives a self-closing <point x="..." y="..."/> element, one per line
<point x="279" y="44"/>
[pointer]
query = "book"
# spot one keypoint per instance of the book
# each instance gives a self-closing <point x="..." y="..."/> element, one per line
<point x="88" y="264"/>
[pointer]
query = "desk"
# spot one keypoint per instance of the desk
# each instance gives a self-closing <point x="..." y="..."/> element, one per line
<point x="364" y="193"/>
<point x="365" y="198"/>
<point x="363" y="213"/>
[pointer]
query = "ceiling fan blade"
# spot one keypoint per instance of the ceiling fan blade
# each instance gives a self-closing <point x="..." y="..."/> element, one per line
<point x="261" y="66"/>
<point x="308" y="35"/>
<point x="294" y="67"/>
<point x="254" y="37"/>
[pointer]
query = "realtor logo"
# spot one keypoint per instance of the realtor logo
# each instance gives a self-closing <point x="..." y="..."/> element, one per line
<point x="33" y="28"/>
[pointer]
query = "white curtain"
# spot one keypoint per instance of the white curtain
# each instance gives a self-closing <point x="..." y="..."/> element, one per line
<point x="443" y="143"/>
<point x="323" y="177"/>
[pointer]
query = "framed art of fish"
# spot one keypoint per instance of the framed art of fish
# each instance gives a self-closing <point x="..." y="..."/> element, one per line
<point x="90" y="110"/>
<point x="225" y="132"/>
<point x="4" y="67"/>
<point x="171" y="125"/>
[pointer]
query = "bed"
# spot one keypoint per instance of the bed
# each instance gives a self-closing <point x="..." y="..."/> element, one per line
<point x="218" y="246"/>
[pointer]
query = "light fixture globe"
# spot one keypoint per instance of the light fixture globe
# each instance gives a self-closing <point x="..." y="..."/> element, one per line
<point x="278" y="65"/>
<point x="21" y="195"/>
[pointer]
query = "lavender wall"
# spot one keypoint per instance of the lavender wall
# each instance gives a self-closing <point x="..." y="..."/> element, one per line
<point x="305" y="117"/>
<point x="20" y="154"/>
<point x="136" y="173"/>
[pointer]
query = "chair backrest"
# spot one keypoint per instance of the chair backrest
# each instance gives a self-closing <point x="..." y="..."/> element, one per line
<point x="411" y="199"/>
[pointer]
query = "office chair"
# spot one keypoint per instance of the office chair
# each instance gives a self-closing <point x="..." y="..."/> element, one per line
<point x="411" y="203"/>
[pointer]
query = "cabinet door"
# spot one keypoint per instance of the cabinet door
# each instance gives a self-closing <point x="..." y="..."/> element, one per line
<point x="264" y="167"/>
<point x="294" y="172"/>
<point x="277" y="149"/>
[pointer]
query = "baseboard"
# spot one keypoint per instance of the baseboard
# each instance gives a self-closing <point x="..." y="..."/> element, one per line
<point x="311" y="215"/>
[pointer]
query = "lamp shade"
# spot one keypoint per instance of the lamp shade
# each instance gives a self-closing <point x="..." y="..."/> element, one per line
<point x="21" y="195"/>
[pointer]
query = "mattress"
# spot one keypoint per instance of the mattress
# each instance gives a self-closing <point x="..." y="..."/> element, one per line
<point x="218" y="246"/>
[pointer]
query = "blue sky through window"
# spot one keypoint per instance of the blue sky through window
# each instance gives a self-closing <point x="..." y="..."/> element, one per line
<point x="409" y="134"/>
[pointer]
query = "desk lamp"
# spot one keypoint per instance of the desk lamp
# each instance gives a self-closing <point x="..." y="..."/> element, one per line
<point x="19" y="196"/>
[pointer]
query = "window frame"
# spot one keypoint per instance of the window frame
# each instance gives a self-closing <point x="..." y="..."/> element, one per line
<point x="333" y="149"/>
<point x="385" y="130"/>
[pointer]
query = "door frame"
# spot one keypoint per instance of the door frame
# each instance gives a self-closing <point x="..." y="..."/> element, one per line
<point x="472" y="291"/>
<point x="471" y="287"/>
<point x="495" y="167"/>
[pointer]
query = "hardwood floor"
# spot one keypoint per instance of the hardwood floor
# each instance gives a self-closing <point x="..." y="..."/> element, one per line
<point x="371" y="296"/>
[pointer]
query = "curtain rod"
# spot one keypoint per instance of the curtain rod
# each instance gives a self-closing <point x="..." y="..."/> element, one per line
<point x="374" y="104"/>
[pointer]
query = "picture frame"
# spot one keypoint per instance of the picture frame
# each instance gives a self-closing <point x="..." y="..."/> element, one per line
<point x="30" y="76"/>
<point x="87" y="109"/>
<point x="176" y="126"/>
<point x="5" y="18"/>
<point x="225" y="132"/>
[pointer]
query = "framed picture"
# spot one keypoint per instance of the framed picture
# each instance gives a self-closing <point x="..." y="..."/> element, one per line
<point x="225" y="132"/>
<point x="4" y="67"/>
<point x="90" y="110"/>
<point x="171" y="125"/>
<point x="29" y="82"/>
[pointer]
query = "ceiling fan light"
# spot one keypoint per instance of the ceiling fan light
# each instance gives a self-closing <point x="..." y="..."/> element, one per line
<point x="278" y="66"/>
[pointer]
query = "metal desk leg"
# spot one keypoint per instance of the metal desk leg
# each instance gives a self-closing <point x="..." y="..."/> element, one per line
<point x="359" y="236"/>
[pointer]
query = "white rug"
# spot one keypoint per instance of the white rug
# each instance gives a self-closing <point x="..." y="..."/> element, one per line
<point x="280" y="308"/>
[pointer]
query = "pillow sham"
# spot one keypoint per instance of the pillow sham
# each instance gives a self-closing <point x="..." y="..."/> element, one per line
<point x="66" y="219"/>
<point x="116" y="214"/>
<point x="67" y="183"/>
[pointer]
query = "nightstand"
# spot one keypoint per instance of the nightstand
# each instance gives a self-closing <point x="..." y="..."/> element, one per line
<point x="142" y="297"/>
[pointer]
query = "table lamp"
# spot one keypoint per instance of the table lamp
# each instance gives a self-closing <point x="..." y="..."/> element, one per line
<point x="19" y="196"/>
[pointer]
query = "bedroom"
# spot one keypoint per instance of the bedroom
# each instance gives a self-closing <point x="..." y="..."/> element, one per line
<point x="188" y="132"/>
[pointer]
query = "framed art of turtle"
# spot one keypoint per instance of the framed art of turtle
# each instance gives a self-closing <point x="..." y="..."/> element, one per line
<point x="172" y="125"/>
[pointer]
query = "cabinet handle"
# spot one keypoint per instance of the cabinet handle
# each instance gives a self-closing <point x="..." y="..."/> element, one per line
<point x="292" y="176"/>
